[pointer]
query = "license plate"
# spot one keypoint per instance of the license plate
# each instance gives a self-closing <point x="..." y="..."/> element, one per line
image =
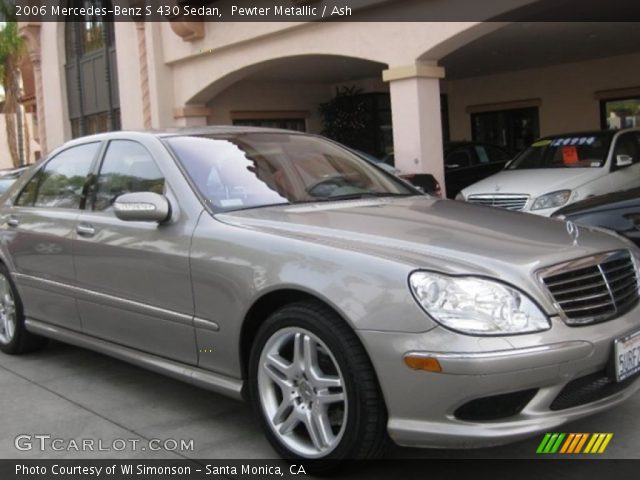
<point x="627" y="351"/>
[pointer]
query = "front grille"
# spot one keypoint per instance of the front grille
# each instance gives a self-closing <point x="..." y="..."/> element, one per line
<point x="510" y="202"/>
<point x="593" y="289"/>
<point x="588" y="389"/>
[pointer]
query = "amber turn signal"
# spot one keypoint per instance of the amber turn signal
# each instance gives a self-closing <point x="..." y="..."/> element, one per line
<point x="429" y="364"/>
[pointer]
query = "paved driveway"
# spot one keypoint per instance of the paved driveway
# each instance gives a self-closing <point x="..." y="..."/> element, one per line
<point x="71" y="393"/>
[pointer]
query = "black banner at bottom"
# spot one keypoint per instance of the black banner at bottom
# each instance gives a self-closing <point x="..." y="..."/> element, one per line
<point x="400" y="469"/>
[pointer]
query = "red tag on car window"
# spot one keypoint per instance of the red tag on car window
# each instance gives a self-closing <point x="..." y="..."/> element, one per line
<point x="569" y="155"/>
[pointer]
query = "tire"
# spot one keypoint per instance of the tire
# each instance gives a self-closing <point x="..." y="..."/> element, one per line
<point x="324" y="402"/>
<point x="14" y="338"/>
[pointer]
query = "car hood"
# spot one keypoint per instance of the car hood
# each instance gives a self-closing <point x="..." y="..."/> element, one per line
<point x="430" y="233"/>
<point x="624" y="199"/>
<point x="534" y="182"/>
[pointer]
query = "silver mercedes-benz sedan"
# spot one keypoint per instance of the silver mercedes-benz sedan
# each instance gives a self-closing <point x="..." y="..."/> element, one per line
<point x="344" y="305"/>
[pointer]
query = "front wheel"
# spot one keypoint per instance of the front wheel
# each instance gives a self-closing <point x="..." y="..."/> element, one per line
<point x="14" y="338"/>
<point x="314" y="388"/>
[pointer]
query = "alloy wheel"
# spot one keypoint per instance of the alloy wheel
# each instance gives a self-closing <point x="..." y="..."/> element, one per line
<point x="302" y="393"/>
<point x="7" y="312"/>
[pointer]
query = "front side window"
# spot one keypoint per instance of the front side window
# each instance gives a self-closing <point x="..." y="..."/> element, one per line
<point x="628" y="144"/>
<point x="61" y="182"/>
<point x="572" y="151"/>
<point x="247" y="170"/>
<point x="127" y="167"/>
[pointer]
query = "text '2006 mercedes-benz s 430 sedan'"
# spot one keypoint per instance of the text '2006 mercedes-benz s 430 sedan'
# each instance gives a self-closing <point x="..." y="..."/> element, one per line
<point x="344" y="305"/>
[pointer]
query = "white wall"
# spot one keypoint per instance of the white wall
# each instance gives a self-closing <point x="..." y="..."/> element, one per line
<point x="54" y="85"/>
<point x="566" y="91"/>
<point x="267" y="96"/>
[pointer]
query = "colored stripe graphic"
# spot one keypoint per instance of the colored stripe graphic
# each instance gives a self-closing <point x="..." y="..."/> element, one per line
<point x="573" y="443"/>
<point x="550" y="443"/>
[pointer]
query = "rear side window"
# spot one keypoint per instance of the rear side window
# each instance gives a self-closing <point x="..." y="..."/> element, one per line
<point x="127" y="167"/>
<point x="61" y="182"/>
<point x="496" y="154"/>
<point x="458" y="159"/>
<point x="628" y="144"/>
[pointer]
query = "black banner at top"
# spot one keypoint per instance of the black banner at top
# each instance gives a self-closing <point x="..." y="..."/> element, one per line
<point x="327" y="10"/>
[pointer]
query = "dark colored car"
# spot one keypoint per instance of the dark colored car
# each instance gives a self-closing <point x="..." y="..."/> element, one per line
<point x="468" y="162"/>
<point x="424" y="181"/>
<point x="618" y="211"/>
<point x="465" y="163"/>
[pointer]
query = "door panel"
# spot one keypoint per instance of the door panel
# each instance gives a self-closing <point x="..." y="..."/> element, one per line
<point x="135" y="278"/>
<point x="626" y="177"/>
<point x="41" y="250"/>
<point x="42" y="223"/>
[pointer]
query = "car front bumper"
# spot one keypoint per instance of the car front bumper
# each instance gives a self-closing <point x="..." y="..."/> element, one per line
<point x="423" y="406"/>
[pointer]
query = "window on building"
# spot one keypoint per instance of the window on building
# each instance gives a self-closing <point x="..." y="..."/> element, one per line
<point x="92" y="86"/>
<point x="60" y="184"/>
<point x="296" y="124"/>
<point x="620" y="113"/>
<point x="511" y="129"/>
<point x="444" y="116"/>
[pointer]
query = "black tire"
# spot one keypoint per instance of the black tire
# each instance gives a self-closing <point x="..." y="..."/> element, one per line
<point x="22" y="341"/>
<point x="364" y="435"/>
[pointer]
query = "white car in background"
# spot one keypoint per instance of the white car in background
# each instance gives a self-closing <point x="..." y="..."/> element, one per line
<point x="562" y="169"/>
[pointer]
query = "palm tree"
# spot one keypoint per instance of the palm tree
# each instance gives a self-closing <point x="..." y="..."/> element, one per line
<point x="12" y="53"/>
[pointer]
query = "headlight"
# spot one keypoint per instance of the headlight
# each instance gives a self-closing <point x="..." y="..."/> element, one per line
<point x="551" y="200"/>
<point x="476" y="306"/>
<point x="460" y="197"/>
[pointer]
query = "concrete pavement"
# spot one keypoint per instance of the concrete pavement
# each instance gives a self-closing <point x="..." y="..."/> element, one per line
<point x="74" y="394"/>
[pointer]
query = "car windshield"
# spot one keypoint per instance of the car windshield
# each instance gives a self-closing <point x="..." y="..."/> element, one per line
<point x="571" y="151"/>
<point x="248" y="170"/>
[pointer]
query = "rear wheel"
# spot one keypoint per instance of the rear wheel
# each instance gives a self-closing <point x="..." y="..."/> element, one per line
<point x="14" y="338"/>
<point x="314" y="388"/>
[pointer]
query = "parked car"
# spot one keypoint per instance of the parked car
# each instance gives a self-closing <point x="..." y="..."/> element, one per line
<point x="281" y="268"/>
<point x="468" y="162"/>
<point x="464" y="164"/>
<point x="618" y="211"/>
<point x="9" y="176"/>
<point x="426" y="182"/>
<point x="562" y="169"/>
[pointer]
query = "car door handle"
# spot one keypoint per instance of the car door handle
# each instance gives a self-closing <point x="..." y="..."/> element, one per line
<point x="13" y="221"/>
<point x="85" y="230"/>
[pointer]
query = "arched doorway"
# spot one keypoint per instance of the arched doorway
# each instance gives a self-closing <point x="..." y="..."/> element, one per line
<point x="91" y="74"/>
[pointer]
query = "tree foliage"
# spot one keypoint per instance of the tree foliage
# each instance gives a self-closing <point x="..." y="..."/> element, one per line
<point x="344" y="117"/>
<point x="12" y="53"/>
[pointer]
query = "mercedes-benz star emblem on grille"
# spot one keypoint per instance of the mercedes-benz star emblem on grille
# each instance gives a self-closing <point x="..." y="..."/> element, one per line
<point x="572" y="230"/>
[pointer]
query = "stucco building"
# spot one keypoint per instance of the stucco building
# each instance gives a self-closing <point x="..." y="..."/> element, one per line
<point x="422" y="83"/>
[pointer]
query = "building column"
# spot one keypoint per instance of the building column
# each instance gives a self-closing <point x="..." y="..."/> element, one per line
<point x="191" y="116"/>
<point x="31" y="32"/>
<point x="416" y="117"/>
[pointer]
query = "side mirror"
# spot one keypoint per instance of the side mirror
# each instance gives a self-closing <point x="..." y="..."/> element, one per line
<point x="624" y="160"/>
<point x="142" y="207"/>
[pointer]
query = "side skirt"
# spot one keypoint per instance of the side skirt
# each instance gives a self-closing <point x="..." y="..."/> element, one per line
<point x="224" y="385"/>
